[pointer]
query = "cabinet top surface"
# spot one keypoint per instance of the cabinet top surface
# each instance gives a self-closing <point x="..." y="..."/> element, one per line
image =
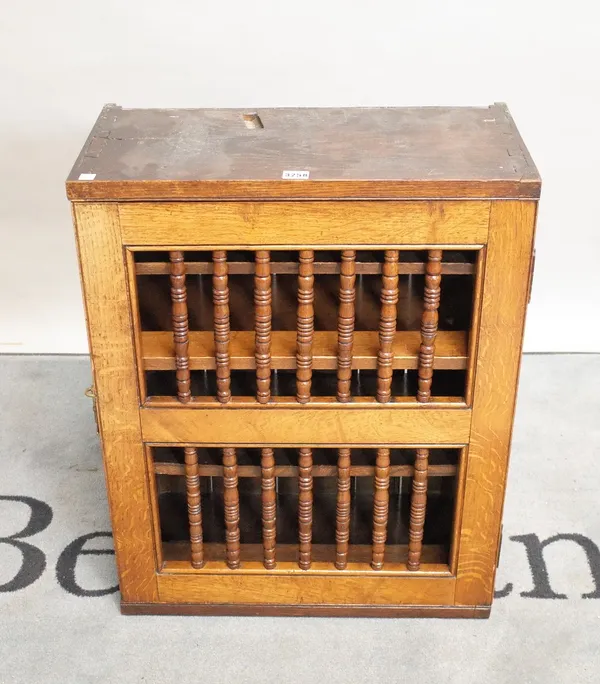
<point x="379" y="153"/>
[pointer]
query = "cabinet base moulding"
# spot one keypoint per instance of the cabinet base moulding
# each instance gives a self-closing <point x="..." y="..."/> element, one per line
<point x="315" y="610"/>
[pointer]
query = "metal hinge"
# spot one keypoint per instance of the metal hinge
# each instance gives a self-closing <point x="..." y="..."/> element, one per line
<point x="531" y="270"/>
<point x="91" y="394"/>
<point x="499" y="546"/>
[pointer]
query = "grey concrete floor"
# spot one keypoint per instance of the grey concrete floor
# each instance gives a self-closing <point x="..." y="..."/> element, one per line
<point x="49" y="452"/>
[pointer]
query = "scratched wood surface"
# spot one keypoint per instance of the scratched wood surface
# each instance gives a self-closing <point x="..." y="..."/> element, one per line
<point x="357" y="152"/>
<point x="212" y="278"/>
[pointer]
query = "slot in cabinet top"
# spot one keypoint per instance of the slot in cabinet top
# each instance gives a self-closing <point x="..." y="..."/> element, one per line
<point x="353" y="153"/>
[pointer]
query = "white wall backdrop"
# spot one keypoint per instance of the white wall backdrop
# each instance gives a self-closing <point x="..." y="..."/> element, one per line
<point x="61" y="61"/>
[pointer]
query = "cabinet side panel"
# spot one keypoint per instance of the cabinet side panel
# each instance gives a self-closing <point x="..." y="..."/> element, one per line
<point x="499" y="353"/>
<point x="104" y="282"/>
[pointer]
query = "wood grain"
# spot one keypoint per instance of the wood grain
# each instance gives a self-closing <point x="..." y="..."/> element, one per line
<point x="269" y="507"/>
<point x="335" y="426"/>
<point x="343" y="505"/>
<point x="387" y="326"/>
<point x="221" y="325"/>
<point x="180" y="325"/>
<point x="434" y="557"/>
<point x="262" y="326"/>
<point x="450" y="350"/>
<point x="314" y="610"/>
<point x="429" y="323"/>
<point x="305" y="326"/>
<point x="104" y="283"/>
<point x="306" y="588"/>
<point x="242" y="209"/>
<point x="289" y="225"/>
<point x="209" y="470"/>
<point x="475" y="318"/>
<point x="320" y="267"/>
<point x="231" y="506"/>
<point x="305" y="508"/>
<point x="418" y="508"/>
<point x="346" y="324"/>
<point x="194" y="505"/>
<point x="351" y="152"/>
<point x="381" y="501"/>
<point x="504" y="301"/>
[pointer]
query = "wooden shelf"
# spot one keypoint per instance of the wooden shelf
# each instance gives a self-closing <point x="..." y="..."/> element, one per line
<point x="176" y="557"/>
<point x="450" y="350"/>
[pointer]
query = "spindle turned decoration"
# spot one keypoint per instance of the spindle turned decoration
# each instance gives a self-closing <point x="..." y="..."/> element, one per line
<point x="180" y="326"/>
<point x="221" y="325"/>
<point x="346" y="323"/>
<point x="192" y="483"/>
<point x="269" y="508"/>
<point x="417" y="510"/>
<point x="343" y="507"/>
<point x="231" y="506"/>
<point x="387" y="325"/>
<point x="305" y="328"/>
<point x="262" y="313"/>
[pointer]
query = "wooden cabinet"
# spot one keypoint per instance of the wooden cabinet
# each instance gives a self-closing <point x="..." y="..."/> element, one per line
<point x="305" y="329"/>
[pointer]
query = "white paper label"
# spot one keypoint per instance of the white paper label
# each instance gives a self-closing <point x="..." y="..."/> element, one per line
<point x="295" y="175"/>
<point x="87" y="176"/>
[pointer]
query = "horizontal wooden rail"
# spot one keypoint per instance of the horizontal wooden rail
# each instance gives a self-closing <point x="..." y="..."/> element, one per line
<point x="291" y="267"/>
<point x="214" y="470"/>
<point x="339" y="426"/>
<point x="450" y="350"/>
<point x="317" y="586"/>
<point x="298" y="225"/>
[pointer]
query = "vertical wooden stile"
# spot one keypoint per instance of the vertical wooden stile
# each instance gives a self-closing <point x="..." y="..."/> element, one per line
<point x="221" y="324"/>
<point x="346" y="324"/>
<point x="429" y="323"/>
<point x="194" y="506"/>
<point x="179" y="317"/>
<point x="305" y="507"/>
<point x="269" y="507"/>
<point x="262" y="315"/>
<point x="305" y="325"/>
<point x="342" y="519"/>
<point x="387" y="325"/>
<point x="231" y="505"/>
<point x="418" y="507"/>
<point x="381" y="502"/>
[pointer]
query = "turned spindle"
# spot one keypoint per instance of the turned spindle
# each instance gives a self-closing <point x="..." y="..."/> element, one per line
<point x="231" y="505"/>
<point x="342" y="511"/>
<point x="269" y="507"/>
<point x="221" y="325"/>
<point x="262" y="325"/>
<point x="418" y="505"/>
<point x="346" y="324"/>
<point x="429" y="323"/>
<point x="306" y="325"/>
<point x="179" y="317"/>
<point x="387" y="325"/>
<point x="305" y="507"/>
<point x="194" y="505"/>
<point x="381" y="502"/>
